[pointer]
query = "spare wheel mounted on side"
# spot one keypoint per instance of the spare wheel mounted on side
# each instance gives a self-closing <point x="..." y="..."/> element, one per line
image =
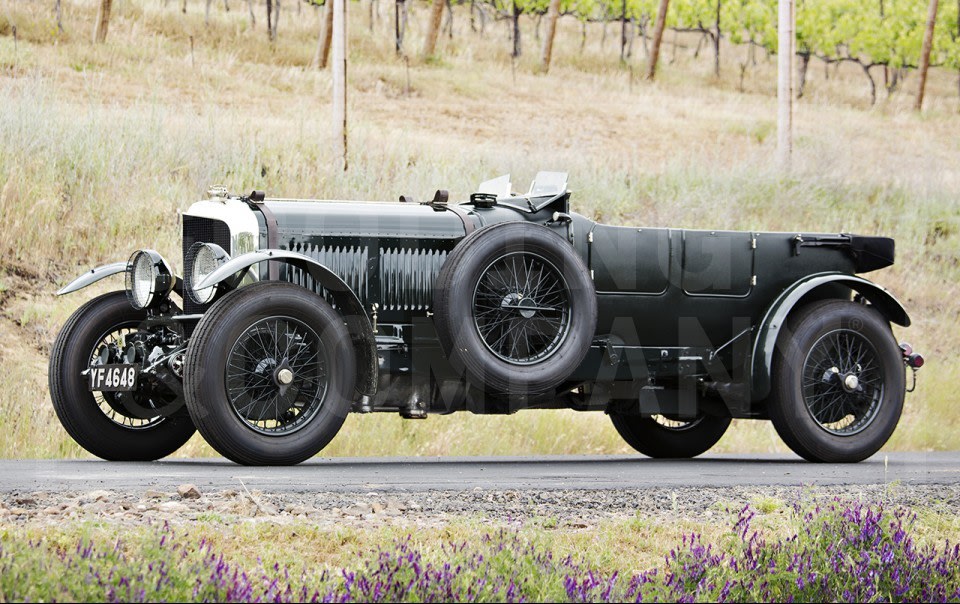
<point x="515" y="309"/>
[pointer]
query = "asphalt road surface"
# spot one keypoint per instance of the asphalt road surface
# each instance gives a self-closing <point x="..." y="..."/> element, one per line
<point x="346" y="475"/>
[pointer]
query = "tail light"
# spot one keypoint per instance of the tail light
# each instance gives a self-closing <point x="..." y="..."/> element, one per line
<point x="911" y="359"/>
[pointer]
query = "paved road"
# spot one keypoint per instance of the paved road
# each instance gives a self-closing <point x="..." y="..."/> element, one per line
<point x="458" y="473"/>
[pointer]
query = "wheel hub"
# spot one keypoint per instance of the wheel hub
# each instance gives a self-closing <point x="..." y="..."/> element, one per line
<point x="521" y="308"/>
<point x="284" y="377"/>
<point x="276" y="375"/>
<point x="843" y="383"/>
<point x="851" y="382"/>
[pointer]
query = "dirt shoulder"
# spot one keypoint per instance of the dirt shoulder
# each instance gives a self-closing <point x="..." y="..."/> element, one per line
<point x="562" y="508"/>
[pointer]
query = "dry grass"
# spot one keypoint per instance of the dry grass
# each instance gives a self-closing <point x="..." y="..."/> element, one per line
<point x="103" y="145"/>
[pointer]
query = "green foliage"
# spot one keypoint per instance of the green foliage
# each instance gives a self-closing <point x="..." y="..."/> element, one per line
<point x="830" y="29"/>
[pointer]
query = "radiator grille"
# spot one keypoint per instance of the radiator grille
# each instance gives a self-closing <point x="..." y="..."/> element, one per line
<point x="407" y="277"/>
<point x="206" y="230"/>
<point x="347" y="262"/>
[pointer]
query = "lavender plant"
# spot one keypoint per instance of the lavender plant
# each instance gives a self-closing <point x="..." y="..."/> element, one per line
<point x="845" y="552"/>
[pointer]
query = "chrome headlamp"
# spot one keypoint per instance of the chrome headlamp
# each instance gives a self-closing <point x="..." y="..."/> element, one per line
<point x="149" y="279"/>
<point x="201" y="260"/>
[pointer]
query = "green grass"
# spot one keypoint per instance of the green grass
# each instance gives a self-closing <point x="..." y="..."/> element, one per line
<point x="97" y="161"/>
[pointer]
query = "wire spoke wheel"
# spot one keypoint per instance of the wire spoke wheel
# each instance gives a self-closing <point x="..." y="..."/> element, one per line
<point x="842" y="382"/>
<point x="112" y="404"/>
<point x="522" y="308"/>
<point x="277" y="375"/>
<point x="144" y="424"/>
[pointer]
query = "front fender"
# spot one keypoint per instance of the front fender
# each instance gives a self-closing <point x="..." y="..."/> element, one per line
<point x="92" y="276"/>
<point x="776" y="316"/>
<point x="347" y="302"/>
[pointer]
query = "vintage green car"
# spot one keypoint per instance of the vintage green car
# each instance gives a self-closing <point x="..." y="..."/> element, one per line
<point x="292" y="313"/>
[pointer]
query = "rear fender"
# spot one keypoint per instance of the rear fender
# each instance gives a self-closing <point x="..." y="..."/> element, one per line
<point x="347" y="302"/>
<point x="778" y="313"/>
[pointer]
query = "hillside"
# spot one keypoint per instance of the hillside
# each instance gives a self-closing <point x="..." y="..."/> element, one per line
<point x="103" y="145"/>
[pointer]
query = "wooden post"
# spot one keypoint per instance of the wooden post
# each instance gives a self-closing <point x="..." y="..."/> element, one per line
<point x="657" y="38"/>
<point x="322" y="56"/>
<point x="553" y="13"/>
<point x="925" y="52"/>
<point x="785" y="48"/>
<point x="339" y="71"/>
<point x="103" y="22"/>
<point x="433" y="29"/>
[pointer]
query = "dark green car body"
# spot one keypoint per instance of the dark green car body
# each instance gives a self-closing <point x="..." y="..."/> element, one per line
<point x="679" y="310"/>
<point x="291" y="314"/>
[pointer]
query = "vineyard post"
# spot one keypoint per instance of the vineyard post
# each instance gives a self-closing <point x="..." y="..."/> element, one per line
<point x="925" y="52"/>
<point x="339" y="69"/>
<point x="658" y="38"/>
<point x="103" y="21"/>
<point x="433" y="29"/>
<point x="322" y="56"/>
<point x="553" y="13"/>
<point x="785" y="49"/>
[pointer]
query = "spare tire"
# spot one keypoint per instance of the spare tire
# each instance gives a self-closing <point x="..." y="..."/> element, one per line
<point x="515" y="309"/>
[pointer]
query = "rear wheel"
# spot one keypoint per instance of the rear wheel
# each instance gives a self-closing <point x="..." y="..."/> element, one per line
<point x="662" y="436"/>
<point x="270" y="374"/>
<point x="838" y="382"/>
<point x="144" y="425"/>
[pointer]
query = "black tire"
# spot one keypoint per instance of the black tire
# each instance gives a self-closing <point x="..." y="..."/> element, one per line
<point x="663" y="438"/>
<point x="220" y="371"/>
<point x="550" y="341"/>
<point x="79" y="410"/>
<point x="812" y="406"/>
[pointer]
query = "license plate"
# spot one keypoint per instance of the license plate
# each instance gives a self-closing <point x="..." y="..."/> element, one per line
<point x="113" y="378"/>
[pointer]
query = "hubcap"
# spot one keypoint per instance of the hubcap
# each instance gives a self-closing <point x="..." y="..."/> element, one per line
<point x="284" y="377"/>
<point x="851" y="382"/>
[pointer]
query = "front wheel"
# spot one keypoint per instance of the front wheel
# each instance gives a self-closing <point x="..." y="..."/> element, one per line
<point x="661" y="436"/>
<point x="838" y="382"/>
<point x="269" y="374"/>
<point x="143" y="425"/>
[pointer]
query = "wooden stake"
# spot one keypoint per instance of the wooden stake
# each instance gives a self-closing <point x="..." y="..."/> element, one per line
<point x="925" y="52"/>
<point x="339" y="70"/>
<point x="322" y="56"/>
<point x="103" y="21"/>
<point x="658" y="38"/>
<point x="785" y="47"/>
<point x="433" y="29"/>
<point x="553" y="13"/>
